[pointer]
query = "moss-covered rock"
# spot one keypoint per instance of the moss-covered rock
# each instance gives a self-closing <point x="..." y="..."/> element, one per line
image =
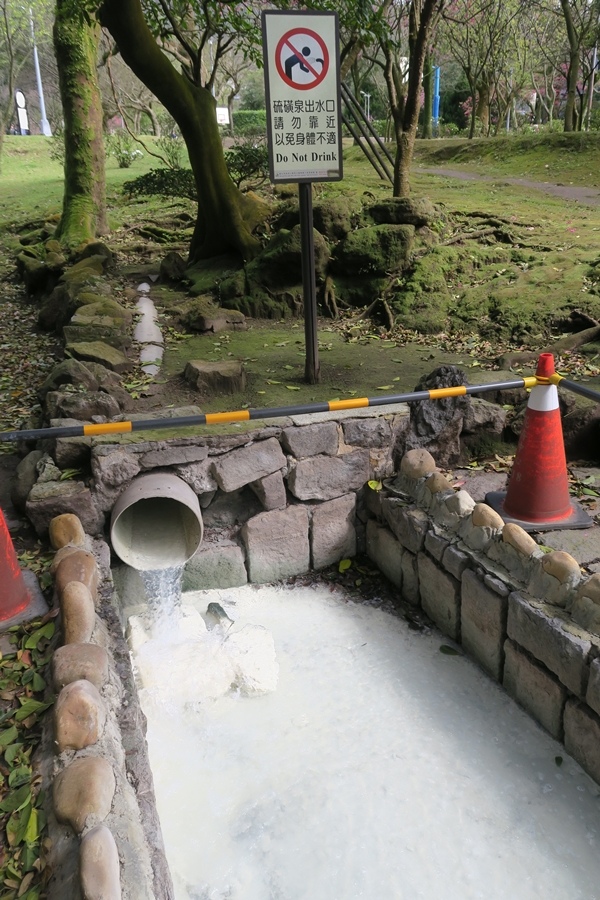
<point x="205" y="276"/>
<point x="90" y="331"/>
<point x="36" y="275"/>
<point x="101" y="308"/>
<point x="91" y="265"/>
<point x="204" y="315"/>
<point x="359" y="291"/>
<point x="233" y="287"/>
<point x="333" y="217"/>
<point x="403" y="211"/>
<point x="99" y="352"/>
<point x="69" y="371"/>
<point x="280" y="264"/>
<point x="374" y="251"/>
<point x="99" y="249"/>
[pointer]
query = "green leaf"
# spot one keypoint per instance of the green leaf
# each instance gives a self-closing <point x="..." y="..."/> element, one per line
<point x="375" y="485"/>
<point x="344" y="565"/>
<point x="384" y="387"/>
<point x="29" y="707"/>
<point x="20" y="775"/>
<point x="12" y="752"/>
<point x="32" y="831"/>
<point x="589" y="492"/>
<point x="38" y="684"/>
<point x="8" y="736"/>
<point x="16" y="827"/>
<point x="292" y="387"/>
<point x="449" y="651"/>
<point x="46" y="632"/>
<point x="16" y="799"/>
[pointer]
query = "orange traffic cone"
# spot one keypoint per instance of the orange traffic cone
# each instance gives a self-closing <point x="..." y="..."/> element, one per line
<point x="537" y="496"/>
<point x="14" y="594"/>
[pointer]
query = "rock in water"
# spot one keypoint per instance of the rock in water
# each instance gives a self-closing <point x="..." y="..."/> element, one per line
<point x="252" y="654"/>
<point x="217" y="616"/>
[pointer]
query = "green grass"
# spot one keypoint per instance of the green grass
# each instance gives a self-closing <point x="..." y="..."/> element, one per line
<point x="31" y="182"/>
<point x="489" y="288"/>
<point x="556" y="157"/>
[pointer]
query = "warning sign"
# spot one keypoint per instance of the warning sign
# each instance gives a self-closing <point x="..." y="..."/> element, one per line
<point x="301" y="58"/>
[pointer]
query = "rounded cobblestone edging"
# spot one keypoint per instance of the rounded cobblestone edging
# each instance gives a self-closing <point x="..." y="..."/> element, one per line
<point x="106" y="842"/>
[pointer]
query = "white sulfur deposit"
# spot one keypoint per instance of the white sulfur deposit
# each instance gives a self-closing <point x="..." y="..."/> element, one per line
<point x="202" y="664"/>
<point x="379" y="768"/>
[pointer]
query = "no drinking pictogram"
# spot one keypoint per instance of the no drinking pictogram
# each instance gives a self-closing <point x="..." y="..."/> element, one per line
<point x="302" y="58"/>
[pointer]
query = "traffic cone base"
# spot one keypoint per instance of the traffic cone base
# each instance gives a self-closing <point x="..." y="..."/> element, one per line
<point x="577" y="517"/>
<point x="20" y="595"/>
<point x="36" y="606"/>
<point x="537" y="496"/>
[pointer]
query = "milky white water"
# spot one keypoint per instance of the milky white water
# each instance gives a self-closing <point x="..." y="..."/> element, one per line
<point x="379" y="768"/>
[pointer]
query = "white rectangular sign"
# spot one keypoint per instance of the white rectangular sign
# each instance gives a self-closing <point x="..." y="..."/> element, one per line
<point x="302" y="86"/>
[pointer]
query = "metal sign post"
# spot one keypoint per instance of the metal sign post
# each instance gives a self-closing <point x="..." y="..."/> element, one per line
<point x="302" y="85"/>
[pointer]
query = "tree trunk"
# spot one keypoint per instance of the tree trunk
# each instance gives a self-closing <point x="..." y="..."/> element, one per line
<point x="573" y="72"/>
<point x="422" y="18"/>
<point x="570" y="107"/>
<point x="404" y="154"/>
<point x="226" y="217"/>
<point x="84" y="204"/>
<point x="156" y="129"/>
<point x="483" y="104"/>
<point x="427" y="97"/>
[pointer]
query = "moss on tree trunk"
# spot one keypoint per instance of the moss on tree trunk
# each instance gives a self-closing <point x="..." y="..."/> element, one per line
<point x="84" y="206"/>
<point x="226" y="217"/>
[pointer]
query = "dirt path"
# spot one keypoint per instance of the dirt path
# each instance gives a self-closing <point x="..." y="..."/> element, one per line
<point x="588" y="196"/>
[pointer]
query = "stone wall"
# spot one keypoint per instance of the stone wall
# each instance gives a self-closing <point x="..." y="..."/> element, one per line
<point x="295" y="496"/>
<point x="106" y="841"/>
<point x="529" y="618"/>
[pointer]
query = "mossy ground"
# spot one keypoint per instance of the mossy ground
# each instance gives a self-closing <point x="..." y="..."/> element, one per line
<point x="515" y="279"/>
<point x="560" y="158"/>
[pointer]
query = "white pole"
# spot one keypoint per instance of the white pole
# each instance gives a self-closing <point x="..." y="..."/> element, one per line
<point x="44" y="123"/>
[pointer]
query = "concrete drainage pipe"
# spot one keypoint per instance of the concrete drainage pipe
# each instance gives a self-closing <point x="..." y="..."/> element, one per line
<point x="156" y="523"/>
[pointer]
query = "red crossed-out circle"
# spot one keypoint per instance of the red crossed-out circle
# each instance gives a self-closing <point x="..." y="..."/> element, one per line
<point x="291" y="44"/>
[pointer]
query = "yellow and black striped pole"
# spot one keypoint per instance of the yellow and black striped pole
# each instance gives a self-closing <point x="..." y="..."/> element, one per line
<point x="248" y="415"/>
<point x="581" y="389"/>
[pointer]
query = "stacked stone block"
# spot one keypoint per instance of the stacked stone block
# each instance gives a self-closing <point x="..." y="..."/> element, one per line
<point x="294" y="497"/>
<point x="516" y="610"/>
<point x="90" y="790"/>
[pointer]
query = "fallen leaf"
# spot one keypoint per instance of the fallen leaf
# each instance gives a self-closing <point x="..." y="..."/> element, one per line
<point x="449" y="651"/>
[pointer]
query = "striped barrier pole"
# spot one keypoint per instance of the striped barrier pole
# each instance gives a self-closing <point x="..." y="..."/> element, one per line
<point x="248" y="415"/>
<point x="575" y="388"/>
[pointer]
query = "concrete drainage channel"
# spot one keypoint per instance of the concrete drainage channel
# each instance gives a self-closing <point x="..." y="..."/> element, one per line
<point x="527" y="617"/>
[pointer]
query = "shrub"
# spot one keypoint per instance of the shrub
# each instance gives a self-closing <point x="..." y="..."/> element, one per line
<point x="120" y="145"/>
<point x="164" y="182"/>
<point x="250" y="122"/>
<point x="248" y="161"/>
<point x="171" y="147"/>
<point x="57" y="145"/>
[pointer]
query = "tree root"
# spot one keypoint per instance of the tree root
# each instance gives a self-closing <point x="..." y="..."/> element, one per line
<point x="328" y="298"/>
<point x="562" y="345"/>
<point x="492" y="220"/>
<point x="373" y="308"/>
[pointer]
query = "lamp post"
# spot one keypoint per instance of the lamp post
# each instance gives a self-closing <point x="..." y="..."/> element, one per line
<point x="367" y="104"/>
<point x="44" y="123"/>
